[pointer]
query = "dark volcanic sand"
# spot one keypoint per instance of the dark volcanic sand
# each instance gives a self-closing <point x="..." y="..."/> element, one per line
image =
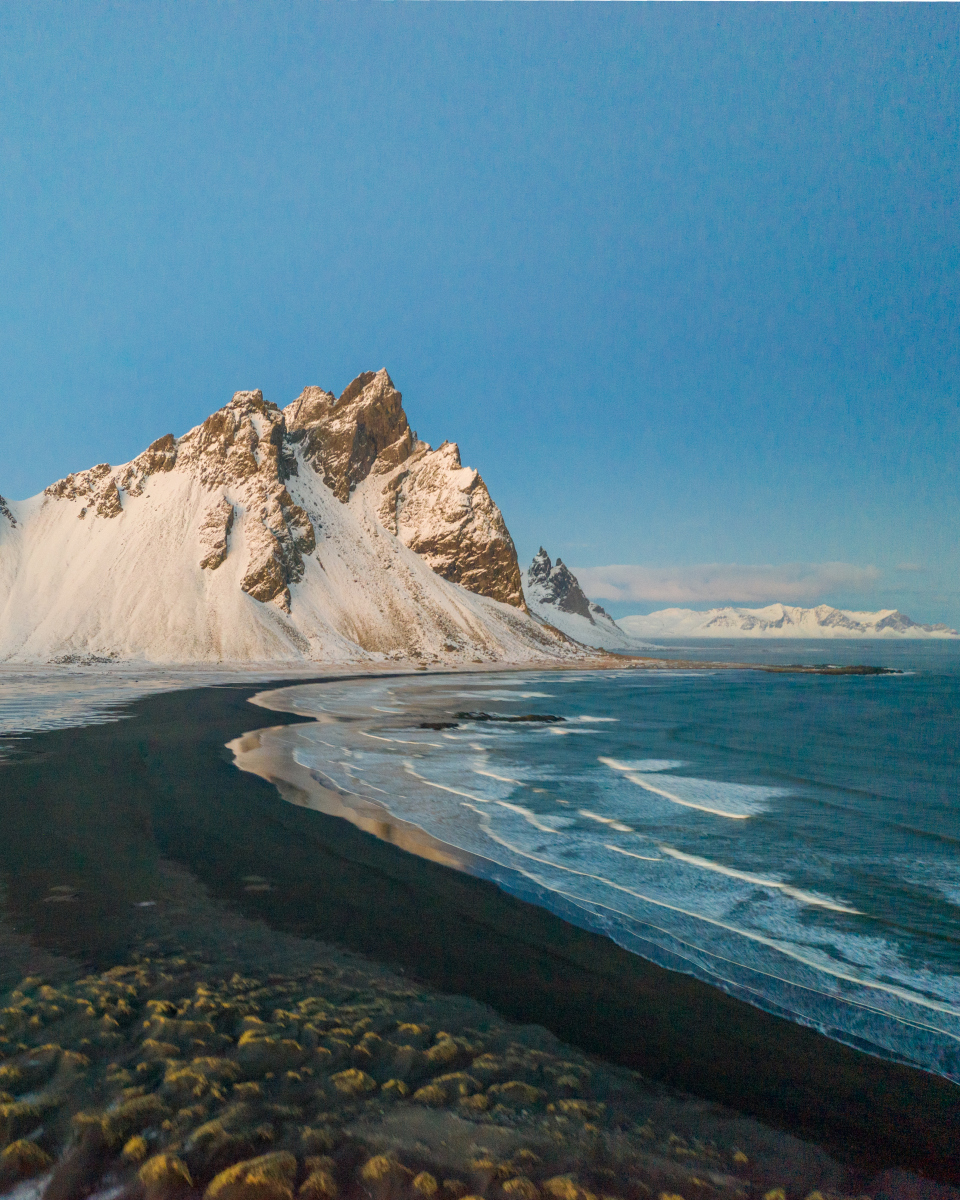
<point x="105" y="810"/>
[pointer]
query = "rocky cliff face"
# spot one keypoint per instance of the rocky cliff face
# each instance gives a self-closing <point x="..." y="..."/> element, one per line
<point x="558" y="586"/>
<point x="345" y="439"/>
<point x="436" y="506"/>
<point x="6" y="513"/>
<point x="318" y="512"/>
<point x="554" y="595"/>
<point x="241" y="448"/>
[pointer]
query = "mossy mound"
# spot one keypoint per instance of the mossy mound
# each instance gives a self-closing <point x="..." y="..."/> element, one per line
<point x="164" y="1175"/>
<point x="172" y="1081"/>
<point x="269" y="1177"/>
<point x="23" y="1160"/>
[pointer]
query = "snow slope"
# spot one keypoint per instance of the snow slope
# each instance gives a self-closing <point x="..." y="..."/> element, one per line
<point x="554" y="595"/>
<point x="780" y="620"/>
<point x="225" y="546"/>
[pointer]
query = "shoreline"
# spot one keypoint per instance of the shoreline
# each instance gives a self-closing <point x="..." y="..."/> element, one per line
<point x="166" y="781"/>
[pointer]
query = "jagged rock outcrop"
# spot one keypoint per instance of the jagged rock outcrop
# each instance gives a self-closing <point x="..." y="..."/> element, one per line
<point x="242" y="447"/>
<point x="347" y="438"/>
<point x="214" y="533"/>
<point x="95" y="488"/>
<point x="443" y="511"/>
<point x="428" y="499"/>
<point x="558" y="586"/>
<point x="554" y="594"/>
<point x="5" y="511"/>
<point x="158" y="457"/>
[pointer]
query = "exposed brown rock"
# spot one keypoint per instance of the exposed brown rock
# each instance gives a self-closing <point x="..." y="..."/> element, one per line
<point x="108" y="500"/>
<point x="214" y="532"/>
<point x="158" y="457"/>
<point x="435" y="505"/>
<point x="5" y="511"/>
<point x="344" y="439"/>
<point x="278" y="539"/>
<point x="443" y="511"/>
<point x="242" y="447"/>
<point x="96" y="487"/>
<point x="240" y="441"/>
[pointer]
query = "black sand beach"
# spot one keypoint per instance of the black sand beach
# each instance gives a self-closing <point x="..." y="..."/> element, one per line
<point x="108" y="828"/>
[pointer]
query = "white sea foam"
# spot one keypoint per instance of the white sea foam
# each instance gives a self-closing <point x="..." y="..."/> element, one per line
<point x="642" y="856"/>
<point x="499" y="778"/>
<point x="499" y="694"/>
<point x="735" y="801"/>
<point x="633" y="853"/>
<point x="804" y="897"/>
<point x="647" y="765"/>
<point x="611" y="821"/>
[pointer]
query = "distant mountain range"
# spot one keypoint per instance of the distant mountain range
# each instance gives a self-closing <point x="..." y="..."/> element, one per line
<point x="554" y="594"/>
<point x="326" y="531"/>
<point x="780" y="620"/>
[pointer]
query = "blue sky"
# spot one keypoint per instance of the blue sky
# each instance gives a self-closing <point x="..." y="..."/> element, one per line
<point x="682" y="281"/>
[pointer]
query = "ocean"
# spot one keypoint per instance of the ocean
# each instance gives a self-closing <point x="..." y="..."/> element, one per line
<point x="791" y="839"/>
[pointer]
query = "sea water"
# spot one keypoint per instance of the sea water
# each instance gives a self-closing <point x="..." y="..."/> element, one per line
<point x="792" y="839"/>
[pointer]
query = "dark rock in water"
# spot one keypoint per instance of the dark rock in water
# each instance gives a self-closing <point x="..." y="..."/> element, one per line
<point x="541" y="718"/>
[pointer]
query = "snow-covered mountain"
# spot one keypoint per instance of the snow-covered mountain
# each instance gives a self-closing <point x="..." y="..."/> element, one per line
<point x="555" y="596"/>
<point x="780" y="620"/>
<point x="326" y="531"/>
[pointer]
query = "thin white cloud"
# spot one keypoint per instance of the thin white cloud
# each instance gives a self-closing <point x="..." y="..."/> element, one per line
<point x="725" y="581"/>
<point x="909" y="567"/>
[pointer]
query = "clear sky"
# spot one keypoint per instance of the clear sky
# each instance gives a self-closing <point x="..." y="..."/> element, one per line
<point x="683" y="281"/>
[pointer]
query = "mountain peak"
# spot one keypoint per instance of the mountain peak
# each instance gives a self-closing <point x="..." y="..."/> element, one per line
<point x="554" y="594"/>
<point x="264" y="533"/>
<point x="343" y="439"/>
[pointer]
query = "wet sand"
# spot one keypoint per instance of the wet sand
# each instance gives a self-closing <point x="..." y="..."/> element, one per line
<point x="155" y="839"/>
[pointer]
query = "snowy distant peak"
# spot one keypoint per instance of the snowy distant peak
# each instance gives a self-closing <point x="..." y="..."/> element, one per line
<point x="779" y="620"/>
<point x="557" y="586"/>
<point x="344" y="439"/>
<point x="6" y="513"/>
<point x="555" y="596"/>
